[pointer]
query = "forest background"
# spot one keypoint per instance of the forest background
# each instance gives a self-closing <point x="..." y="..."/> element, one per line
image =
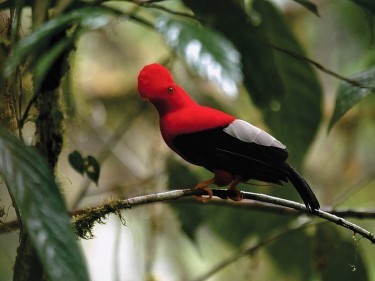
<point x="85" y="142"/>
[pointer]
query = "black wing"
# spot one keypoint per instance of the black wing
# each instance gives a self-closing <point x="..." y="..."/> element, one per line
<point x="215" y="149"/>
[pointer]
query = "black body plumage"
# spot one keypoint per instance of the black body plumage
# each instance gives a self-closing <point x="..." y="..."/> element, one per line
<point x="217" y="150"/>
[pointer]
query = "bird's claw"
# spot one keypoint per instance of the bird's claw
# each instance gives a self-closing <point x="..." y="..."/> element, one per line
<point x="202" y="199"/>
<point x="237" y="194"/>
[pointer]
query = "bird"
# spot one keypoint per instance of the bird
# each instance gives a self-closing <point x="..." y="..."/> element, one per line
<point x="234" y="150"/>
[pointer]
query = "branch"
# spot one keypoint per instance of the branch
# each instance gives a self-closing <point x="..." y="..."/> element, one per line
<point x="91" y="215"/>
<point x="84" y="219"/>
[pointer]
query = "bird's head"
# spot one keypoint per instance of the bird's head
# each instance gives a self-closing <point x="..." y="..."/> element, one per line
<point x="155" y="83"/>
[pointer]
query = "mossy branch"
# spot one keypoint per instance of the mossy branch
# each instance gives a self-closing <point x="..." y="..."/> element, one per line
<point x="85" y="219"/>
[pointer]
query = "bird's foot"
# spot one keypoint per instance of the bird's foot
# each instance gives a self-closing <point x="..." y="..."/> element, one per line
<point x="204" y="185"/>
<point x="236" y="192"/>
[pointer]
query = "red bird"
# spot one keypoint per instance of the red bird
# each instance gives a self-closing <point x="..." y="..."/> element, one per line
<point x="234" y="150"/>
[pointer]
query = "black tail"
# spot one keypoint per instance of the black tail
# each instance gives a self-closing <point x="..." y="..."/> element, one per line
<point x="303" y="189"/>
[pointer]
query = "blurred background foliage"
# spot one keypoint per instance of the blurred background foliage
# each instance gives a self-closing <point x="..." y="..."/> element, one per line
<point x="248" y="58"/>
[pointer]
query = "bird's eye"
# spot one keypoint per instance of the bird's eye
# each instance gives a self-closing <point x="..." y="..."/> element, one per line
<point x="170" y="90"/>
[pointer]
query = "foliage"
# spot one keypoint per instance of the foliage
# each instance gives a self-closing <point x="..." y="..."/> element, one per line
<point x="244" y="48"/>
<point x="30" y="182"/>
<point x="88" y="165"/>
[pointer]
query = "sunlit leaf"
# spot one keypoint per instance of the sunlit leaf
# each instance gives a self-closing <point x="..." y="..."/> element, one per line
<point x="349" y="95"/>
<point x="207" y="52"/>
<point x="308" y="5"/>
<point x="92" y="168"/>
<point x="76" y="161"/>
<point x="42" y="209"/>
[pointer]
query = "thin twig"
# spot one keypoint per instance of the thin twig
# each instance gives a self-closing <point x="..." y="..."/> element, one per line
<point x="281" y="210"/>
<point x="122" y="127"/>
<point x="275" y="235"/>
<point x="352" y="82"/>
<point x="27" y="110"/>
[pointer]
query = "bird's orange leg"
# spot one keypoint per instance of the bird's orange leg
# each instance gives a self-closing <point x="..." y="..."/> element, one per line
<point x="204" y="185"/>
<point x="237" y="192"/>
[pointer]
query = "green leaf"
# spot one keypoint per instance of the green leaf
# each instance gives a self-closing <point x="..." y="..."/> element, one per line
<point x="76" y="161"/>
<point x="295" y="116"/>
<point x="90" y="17"/>
<point x="349" y="95"/>
<point x="339" y="258"/>
<point x="42" y="208"/>
<point x="207" y="52"/>
<point x="285" y="88"/>
<point x="92" y="168"/>
<point x="308" y="5"/>
<point x="368" y="4"/>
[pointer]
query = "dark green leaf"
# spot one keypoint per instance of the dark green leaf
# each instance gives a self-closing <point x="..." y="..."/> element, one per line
<point x="296" y="115"/>
<point x="309" y="5"/>
<point x="90" y="17"/>
<point x="292" y="253"/>
<point x="285" y="88"/>
<point x="349" y="95"/>
<point x="76" y="161"/>
<point x="368" y="4"/>
<point x="338" y="258"/>
<point x="92" y="168"/>
<point x="207" y="52"/>
<point x="42" y="208"/>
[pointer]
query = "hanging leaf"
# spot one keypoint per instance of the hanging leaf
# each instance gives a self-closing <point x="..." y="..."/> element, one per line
<point x="92" y="168"/>
<point x="296" y="115"/>
<point x="309" y="5"/>
<point x="42" y="209"/>
<point x="76" y="161"/>
<point x="207" y="52"/>
<point x="349" y="95"/>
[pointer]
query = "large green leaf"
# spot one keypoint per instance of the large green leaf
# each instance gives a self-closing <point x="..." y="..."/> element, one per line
<point x="299" y="115"/>
<point x="42" y="208"/>
<point x="285" y="88"/>
<point x="207" y="52"/>
<point x="349" y="95"/>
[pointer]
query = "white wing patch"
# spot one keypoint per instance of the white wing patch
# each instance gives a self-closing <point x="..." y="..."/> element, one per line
<point x="246" y="132"/>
